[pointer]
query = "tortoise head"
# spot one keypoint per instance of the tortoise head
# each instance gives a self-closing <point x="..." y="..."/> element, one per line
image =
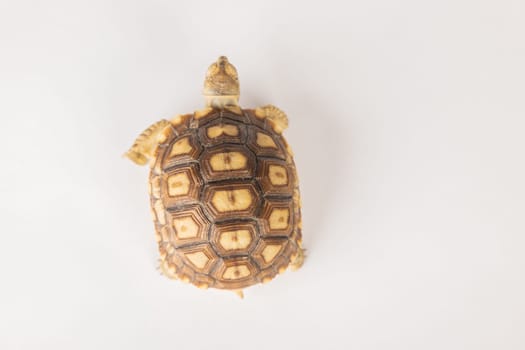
<point x="221" y="86"/>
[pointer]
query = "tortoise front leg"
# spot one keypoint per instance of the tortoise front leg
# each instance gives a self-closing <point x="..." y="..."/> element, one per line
<point x="145" y="145"/>
<point x="277" y="118"/>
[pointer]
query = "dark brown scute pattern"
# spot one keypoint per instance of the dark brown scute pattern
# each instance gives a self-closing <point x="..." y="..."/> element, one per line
<point x="259" y="251"/>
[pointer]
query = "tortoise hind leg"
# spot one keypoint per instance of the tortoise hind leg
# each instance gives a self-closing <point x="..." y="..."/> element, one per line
<point x="165" y="270"/>
<point x="144" y="147"/>
<point x="298" y="260"/>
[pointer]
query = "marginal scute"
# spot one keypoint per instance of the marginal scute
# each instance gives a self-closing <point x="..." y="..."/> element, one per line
<point x="203" y="112"/>
<point x="265" y="274"/>
<point x="288" y="149"/>
<point x="163" y="254"/>
<point x="165" y="234"/>
<point x="297" y="197"/>
<point x="203" y="279"/>
<point x="184" y="278"/>
<point x="165" y="134"/>
<point x="155" y="163"/>
<point x="202" y="285"/>
<point x="158" y="237"/>
<point x="234" y="109"/>
<point x="180" y="120"/>
<point x="260" y="113"/>
<point x="155" y="187"/>
<point x="176" y="261"/>
<point x="186" y="273"/>
<point x="177" y="120"/>
<point x="159" y="212"/>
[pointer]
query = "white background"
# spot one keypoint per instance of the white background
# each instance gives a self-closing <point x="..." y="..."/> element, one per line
<point x="407" y="121"/>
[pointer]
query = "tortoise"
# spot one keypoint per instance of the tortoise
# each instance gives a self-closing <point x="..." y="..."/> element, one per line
<point x="223" y="188"/>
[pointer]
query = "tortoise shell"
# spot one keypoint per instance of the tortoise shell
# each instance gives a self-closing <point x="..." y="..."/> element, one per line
<point x="225" y="199"/>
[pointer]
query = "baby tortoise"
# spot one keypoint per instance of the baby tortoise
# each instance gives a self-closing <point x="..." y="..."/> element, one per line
<point x="224" y="190"/>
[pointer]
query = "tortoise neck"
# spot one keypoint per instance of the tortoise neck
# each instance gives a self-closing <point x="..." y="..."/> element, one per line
<point x="222" y="101"/>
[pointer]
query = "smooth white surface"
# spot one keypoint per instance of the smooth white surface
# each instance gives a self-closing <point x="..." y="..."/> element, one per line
<point x="407" y="120"/>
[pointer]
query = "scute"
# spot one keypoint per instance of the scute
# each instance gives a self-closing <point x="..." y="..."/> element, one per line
<point x="265" y="143"/>
<point x="222" y="131"/>
<point x="222" y="191"/>
<point x="180" y="185"/>
<point x="185" y="148"/>
<point x="227" y="162"/>
<point x="275" y="177"/>
<point x="234" y="237"/>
